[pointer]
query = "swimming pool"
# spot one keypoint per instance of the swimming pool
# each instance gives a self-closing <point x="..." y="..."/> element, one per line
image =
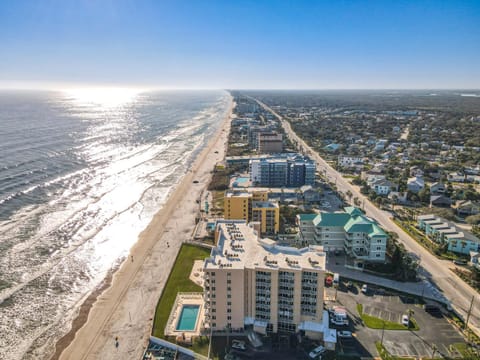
<point x="188" y="318"/>
<point x="241" y="182"/>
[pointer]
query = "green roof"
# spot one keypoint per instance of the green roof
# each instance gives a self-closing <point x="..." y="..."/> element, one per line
<point x="353" y="211"/>
<point x="307" y="217"/>
<point x="331" y="219"/>
<point x="364" y="225"/>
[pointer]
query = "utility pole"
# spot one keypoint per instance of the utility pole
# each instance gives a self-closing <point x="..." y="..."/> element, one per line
<point x="469" y="312"/>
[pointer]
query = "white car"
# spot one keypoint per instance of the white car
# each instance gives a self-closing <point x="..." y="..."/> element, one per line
<point x="239" y="345"/>
<point x="405" y="320"/>
<point x="364" y="288"/>
<point x="315" y="353"/>
<point x="344" y="334"/>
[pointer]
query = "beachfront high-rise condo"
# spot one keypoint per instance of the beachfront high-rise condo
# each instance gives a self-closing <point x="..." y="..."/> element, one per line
<point x="253" y="284"/>
<point x="289" y="169"/>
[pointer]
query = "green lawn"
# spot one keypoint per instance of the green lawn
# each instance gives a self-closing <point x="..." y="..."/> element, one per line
<point x="377" y="323"/>
<point x="178" y="281"/>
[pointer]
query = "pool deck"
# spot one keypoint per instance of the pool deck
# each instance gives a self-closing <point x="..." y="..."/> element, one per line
<point x="181" y="300"/>
<point x="197" y="272"/>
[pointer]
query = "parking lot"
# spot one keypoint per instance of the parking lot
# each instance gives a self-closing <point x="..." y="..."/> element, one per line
<point x="435" y="331"/>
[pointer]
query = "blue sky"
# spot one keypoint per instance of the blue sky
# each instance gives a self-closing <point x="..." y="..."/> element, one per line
<point x="241" y="44"/>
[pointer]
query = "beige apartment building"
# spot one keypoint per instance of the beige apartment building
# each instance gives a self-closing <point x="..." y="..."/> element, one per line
<point x="253" y="206"/>
<point x="251" y="282"/>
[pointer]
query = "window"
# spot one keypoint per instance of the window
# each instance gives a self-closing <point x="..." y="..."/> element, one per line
<point x="229" y="296"/>
<point x="229" y="288"/>
<point x="229" y="310"/>
<point x="379" y="248"/>
<point x="214" y="317"/>
<point x="378" y="255"/>
<point x="229" y="317"/>
<point x="214" y="324"/>
<point x="214" y="310"/>
<point x="229" y="303"/>
<point x="229" y="281"/>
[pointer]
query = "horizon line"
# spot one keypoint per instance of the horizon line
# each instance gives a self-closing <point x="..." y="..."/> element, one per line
<point x="196" y="88"/>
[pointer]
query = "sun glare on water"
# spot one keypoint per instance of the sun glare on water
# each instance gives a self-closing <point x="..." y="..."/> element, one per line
<point x="105" y="97"/>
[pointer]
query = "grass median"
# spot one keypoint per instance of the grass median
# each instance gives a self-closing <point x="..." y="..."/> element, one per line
<point x="373" y="322"/>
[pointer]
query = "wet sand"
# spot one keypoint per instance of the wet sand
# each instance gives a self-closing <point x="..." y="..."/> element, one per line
<point x="126" y="309"/>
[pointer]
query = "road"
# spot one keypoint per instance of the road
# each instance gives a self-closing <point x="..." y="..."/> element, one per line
<point x="458" y="293"/>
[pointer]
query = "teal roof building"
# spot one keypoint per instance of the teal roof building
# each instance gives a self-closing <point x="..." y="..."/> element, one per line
<point x="359" y="236"/>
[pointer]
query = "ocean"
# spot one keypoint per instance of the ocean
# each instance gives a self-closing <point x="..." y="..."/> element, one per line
<point x="81" y="175"/>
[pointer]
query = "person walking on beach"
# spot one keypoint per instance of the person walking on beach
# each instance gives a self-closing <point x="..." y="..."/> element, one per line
<point x="116" y="342"/>
<point x="131" y="257"/>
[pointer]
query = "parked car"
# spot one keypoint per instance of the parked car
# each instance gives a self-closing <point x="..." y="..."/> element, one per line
<point x="364" y="288"/>
<point x="315" y="353"/>
<point x="405" y="320"/>
<point x="460" y="262"/>
<point x="344" y="334"/>
<point x="349" y="285"/>
<point x="239" y="345"/>
<point x="339" y="321"/>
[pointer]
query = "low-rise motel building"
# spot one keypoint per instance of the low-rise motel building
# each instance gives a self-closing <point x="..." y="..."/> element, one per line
<point x="253" y="284"/>
<point x="253" y="206"/>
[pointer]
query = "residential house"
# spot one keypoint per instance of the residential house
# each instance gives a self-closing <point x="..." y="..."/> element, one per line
<point x="416" y="171"/>
<point x="467" y="207"/>
<point x="309" y="194"/>
<point x="415" y="184"/>
<point x="398" y="197"/>
<point x="437" y="188"/>
<point x="440" y="200"/>
<point x="475" y="259"/>
<point x="456" y="177"/>
<point x="383" y="187"/>
<point x="350" y="161"/>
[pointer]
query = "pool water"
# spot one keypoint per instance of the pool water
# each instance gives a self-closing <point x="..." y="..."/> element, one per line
<point x="241" y="180"/>
<point x="188" y="318"/>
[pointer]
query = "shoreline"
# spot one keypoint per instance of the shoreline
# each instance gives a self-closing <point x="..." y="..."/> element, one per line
<point x="82" y="316"/>
<point x="125" y="307"/>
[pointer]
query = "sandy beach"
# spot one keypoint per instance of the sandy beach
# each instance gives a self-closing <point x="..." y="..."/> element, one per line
<point x="126" y="308"/>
